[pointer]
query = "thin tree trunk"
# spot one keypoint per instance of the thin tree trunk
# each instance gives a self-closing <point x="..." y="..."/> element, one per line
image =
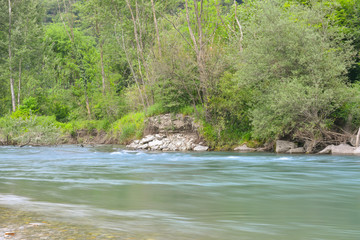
<point x="199" y="48"/>
<point x="138" y="44"/>
<point x="192" y="36"/>
<point x="357" y="139"/>
<point x="134" y="74"/>
<point x="240" y="28"/>
<point x="156" y="27"/>
<point x="63" y="21"/>
<point x="129" y="61"/>
<point x="10" y="66"/>
<point x="102" y="68"/>
<point x="72" y="23"/>
<point x="19" y="87"/>
<point x="87" y="104"/>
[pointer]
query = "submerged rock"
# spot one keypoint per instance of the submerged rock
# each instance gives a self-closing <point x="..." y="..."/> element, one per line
<point x="244" y="148"/>
<point x="296" y="150"/>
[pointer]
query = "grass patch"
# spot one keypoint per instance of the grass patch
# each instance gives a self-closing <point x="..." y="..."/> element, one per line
<point x="129" y="127"/>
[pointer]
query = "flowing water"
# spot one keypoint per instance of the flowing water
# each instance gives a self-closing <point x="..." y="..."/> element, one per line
<point x="183" y="196"/>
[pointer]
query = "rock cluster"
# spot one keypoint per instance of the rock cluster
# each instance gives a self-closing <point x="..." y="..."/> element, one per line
<point x="342" y="149"/>
<point x="172" y="142"/>
<point x="169" y="132"/>
<point x="170" y="124"/>
<point x="245" y="149"/>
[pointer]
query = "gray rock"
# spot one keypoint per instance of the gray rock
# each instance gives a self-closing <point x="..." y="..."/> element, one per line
<point x="200" y="148"/>
<point x="309" y="146"/>
<point x="353" y="140"/>
<point x="155" y="143"/>
<point x="147" y="139"/>
<point x="133" y="145"/>
<point x="296" y="150"/>
<point x="357" y="151"/>
<point x="326" y="150"/>
<point x="343" y="149"/>
<point x="160" y="136"/>
<point x="244" y="148"/>
<point x="284" y="146"/>
<point x="143" y="146"/>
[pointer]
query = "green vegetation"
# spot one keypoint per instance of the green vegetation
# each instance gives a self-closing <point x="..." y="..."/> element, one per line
<point x="249" y="71"/>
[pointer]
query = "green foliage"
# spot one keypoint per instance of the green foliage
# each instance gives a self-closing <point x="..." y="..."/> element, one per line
<point x="31" y="130"/>
<point x="284" y="75"/>
<point x="155" y="109"/>
<point x="129" y="127"/>
<point x="296" y="71"/>
<point x="61" y="112"/>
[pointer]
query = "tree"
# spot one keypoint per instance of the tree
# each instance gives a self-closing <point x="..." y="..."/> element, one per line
<point x="297" y="67"/>
<point x="10" y="59"/>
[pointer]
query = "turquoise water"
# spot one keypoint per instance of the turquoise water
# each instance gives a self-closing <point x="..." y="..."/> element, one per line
<point x="173" y="196"/>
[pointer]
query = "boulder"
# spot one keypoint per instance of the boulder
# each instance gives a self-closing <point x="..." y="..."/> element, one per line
<point x="156" y="144"/>
<point x="200" y="148"/>
<point x="296" y="150"/>
<point x="284" y="146"/>
<point x="357" y="151"/>
<point x="170" y="123"/>
<point x="143" y="146"/>
<point x="343" y="149"/>
<point x="147" y="139"/>
<point x="160" y="136"/>
<point x="309" y="146"/>
<point x="326" y="150"/>
<point x="244" y="148"/>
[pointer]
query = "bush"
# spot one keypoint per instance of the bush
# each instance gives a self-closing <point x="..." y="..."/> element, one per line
<point x="296" y="70"/>
<point x="129" y="127"/>
<point x="155" y="109"/>
<point x="30" y="130"/>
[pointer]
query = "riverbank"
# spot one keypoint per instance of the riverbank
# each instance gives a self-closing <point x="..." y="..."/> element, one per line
<point x="20" y="225"/>
<point x="164" y="132"/>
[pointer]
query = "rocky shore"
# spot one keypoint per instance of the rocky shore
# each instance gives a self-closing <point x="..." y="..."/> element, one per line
<point x="288" y="147"/>
<point x="170" y="132"/>
<point x="20" y="225"/>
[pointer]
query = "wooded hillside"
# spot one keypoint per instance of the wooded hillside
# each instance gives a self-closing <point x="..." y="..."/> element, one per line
<point x="249" y="71"/>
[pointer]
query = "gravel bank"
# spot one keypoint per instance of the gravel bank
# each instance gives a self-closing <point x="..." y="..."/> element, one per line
<point x="20" y="225"/>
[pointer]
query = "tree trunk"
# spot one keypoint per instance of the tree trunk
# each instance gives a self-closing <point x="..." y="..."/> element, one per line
<point x="156" y="27"/>
<point x="10" y="66"/>
<point x="102" y="68"/>
<point x="138" y="44"/>
<point x="19" y="87"/>
<point x="129" y="62"/>
<point x="240" y="28"/>
<point x="63" y="21"/>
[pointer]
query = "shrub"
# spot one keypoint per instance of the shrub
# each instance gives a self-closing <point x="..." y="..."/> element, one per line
<point x="30" y="130"/>
<point x="129" y="127"/>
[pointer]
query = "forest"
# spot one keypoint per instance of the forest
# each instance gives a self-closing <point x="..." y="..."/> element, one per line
<point x="249" y="71"/>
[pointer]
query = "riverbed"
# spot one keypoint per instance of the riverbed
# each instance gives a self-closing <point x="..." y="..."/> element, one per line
<point x="109" y="192"/>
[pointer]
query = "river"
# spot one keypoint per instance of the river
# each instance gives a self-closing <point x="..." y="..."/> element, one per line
<point x="183" y="196"/>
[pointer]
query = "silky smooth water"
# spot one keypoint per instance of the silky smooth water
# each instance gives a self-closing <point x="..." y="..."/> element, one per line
<point x="173" y="196"/>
